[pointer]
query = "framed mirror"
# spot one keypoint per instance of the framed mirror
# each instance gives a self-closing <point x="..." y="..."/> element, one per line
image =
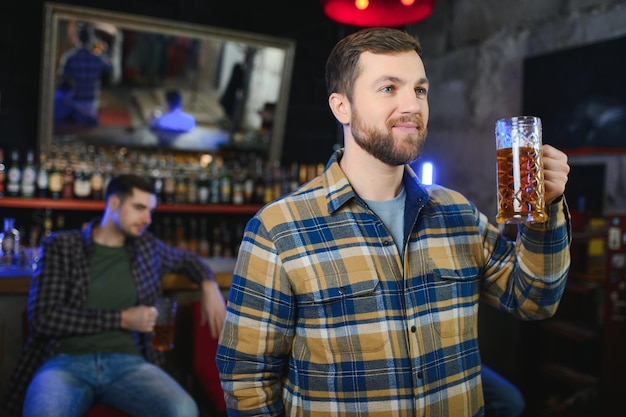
<point x="122" y="80"/>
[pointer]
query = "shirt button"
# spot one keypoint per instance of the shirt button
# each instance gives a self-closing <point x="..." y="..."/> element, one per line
<point x="420" y="375"/>
<point x="413" y="329"/>
<point x="341" y="290"/>
<point x="386" y="243"/>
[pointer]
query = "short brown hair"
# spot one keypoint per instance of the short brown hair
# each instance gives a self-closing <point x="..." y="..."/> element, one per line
<point x="342" y="63"/>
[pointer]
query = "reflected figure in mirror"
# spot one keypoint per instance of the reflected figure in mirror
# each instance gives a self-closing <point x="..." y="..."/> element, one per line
<point x="86" y="65"/>
<point x="174" y="119"/>
<point x="65" y="108"/>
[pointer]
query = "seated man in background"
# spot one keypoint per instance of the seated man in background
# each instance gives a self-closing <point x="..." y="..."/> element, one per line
<point x="91" y="314"/>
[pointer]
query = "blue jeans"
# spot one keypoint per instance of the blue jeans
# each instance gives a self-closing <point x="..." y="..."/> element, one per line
<point x="502" y="398"/>
<point x="68" y="385"/>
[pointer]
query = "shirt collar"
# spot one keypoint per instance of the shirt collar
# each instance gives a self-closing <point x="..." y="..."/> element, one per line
<point x="340" y="191"/>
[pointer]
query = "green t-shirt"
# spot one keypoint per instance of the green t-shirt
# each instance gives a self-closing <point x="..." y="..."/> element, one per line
<point x="111" y="287"/>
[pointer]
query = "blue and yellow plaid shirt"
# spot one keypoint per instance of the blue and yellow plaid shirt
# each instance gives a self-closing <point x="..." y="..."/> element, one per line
<point x="326" y="319"/>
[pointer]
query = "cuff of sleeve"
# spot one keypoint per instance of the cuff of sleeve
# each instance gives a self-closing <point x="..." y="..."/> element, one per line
<point x="558" y="216"/>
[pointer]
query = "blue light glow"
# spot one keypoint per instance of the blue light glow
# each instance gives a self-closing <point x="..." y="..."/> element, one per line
<point x="427" y="173"/>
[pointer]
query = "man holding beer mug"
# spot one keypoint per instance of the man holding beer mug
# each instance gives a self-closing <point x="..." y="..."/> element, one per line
<point x="358" y="293"/>
<point x="91" y="313"/>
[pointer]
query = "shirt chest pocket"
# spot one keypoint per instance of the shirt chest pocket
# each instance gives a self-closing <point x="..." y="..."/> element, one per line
<point x="340" y="315"/>
<point x="453" y="292"/>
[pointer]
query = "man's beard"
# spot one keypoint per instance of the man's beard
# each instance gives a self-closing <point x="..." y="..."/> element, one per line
<point x="382" y="145"/>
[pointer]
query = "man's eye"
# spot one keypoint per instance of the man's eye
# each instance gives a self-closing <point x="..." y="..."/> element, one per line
<point x="421" y="91"/>
<point x="387" y="89"/>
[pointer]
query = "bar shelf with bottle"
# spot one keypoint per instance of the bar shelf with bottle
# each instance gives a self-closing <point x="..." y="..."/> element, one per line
<point x="204" y="199"/>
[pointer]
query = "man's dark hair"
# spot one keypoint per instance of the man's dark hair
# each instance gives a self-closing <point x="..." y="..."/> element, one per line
<point x="342" y="65"/>
<point x="123" y="185"/>
<point x="173" y="98"/>
<point x="84" y="35"/>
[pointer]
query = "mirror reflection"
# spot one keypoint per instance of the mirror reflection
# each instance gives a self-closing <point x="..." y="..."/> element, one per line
<point x="123" y="80"/>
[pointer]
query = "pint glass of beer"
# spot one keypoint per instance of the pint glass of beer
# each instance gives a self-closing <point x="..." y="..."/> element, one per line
<point x="520" y="171"/>
<point x="164" y="328"/>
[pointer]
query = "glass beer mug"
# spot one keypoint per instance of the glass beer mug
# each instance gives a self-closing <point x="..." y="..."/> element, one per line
<point x="521" y="196"/>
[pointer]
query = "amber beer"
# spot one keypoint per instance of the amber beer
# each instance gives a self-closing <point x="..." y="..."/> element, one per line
<point x="164" y="328"/>
<point x="520" y="171"/>
<point x="520" y="191"/>
<point x="163" y="337"/>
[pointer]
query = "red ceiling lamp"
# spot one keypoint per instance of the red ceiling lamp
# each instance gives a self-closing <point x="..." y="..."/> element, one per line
<point x="370" y="13"/>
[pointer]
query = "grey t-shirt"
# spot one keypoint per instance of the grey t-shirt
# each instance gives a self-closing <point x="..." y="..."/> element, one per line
<point x="391" y="212"/>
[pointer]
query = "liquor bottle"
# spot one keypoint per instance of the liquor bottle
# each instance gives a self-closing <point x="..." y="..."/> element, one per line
<point x="226" y="186"/>
<point x="169" y="181"/>
<point x="55" y="180"/>
<point x="180" y="234"/>
<point x="302" y="173"/>
<point x="157" y="177"/>
<point x="204" y="187"/>
<point x="268" y="194"/>
<point x="192" y="189"/>
<point x="217" y="243"/>
<point x="68" y="180"/>
<point x="97" y="180"/>
<point x="259" y="183"/>
<point x="47" y="223"/>
<point x="60" y="221"/>
<point x="29" y="176"/>
<point x="214" y="195"/>
<point x="204" y="246"/>
<point x="193" y="243"/>
<point x="14" y="175"/>
<point x="227" y="245"/>
<point x="180" y="188"/>
<point x="238" y="196"/>
<point x="82" y="182"/>
<point x="293" y="177"/>
<point x="43" y="179"/>
<point x="108" y="174"/>
<point x="10" y="244"/>
<point x="3" y="170"/>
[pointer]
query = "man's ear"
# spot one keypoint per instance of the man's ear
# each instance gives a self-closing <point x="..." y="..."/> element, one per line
<point x="114" y="202"/>
<point x="340" y="106"/>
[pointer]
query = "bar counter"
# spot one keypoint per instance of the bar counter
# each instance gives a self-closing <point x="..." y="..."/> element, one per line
<point x="15" y="280"/>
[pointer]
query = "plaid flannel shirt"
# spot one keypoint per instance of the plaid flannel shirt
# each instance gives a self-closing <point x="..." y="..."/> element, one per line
<point x="85" y="68"/>
<point x="58" y="294"/>
<point x="325" y="319"/>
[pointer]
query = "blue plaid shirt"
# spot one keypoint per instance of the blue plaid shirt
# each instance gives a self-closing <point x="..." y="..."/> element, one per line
<point x="85" y="68"/>
<point x="326" y="319"/>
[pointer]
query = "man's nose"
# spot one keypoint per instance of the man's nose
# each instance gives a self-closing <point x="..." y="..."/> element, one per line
<point x="409" y="102"/>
